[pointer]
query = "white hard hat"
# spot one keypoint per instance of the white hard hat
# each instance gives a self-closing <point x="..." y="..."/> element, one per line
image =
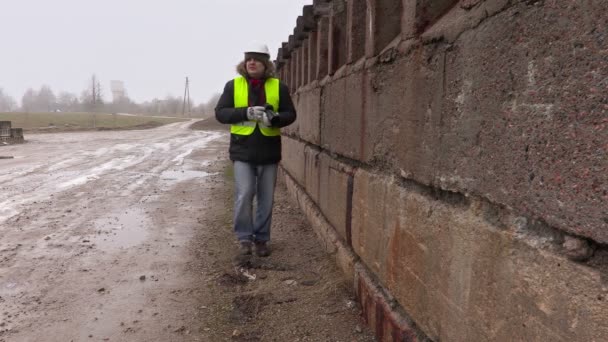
<point x="255" y="47"/>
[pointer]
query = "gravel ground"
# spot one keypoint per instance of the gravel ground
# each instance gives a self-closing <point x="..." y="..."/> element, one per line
<point x="126" y="236"/>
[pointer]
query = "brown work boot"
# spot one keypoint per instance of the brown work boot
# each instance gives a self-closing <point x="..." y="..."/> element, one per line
<point x="261" y="249"/>
<point x="245" y="248"/>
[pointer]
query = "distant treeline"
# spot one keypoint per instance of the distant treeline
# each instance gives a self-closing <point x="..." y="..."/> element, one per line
<point x="93" y="99"/>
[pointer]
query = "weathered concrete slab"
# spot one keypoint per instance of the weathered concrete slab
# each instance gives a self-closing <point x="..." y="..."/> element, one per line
<point x="330" y="241"/>
<point x="294" y="128"/>
<point x="342" y="122"/>
<point x="313" y="173"/>
<point x="309" y="106"/>
<point x="293" y="161"/>
<point x="336" y="184"/>
<point x="404" y="120"/>
<point x="379" y="312"/>
<point x="429" y="11"/>
<point x="489" y="115"/>
<point x="525" y="121"/>
<point x="462" y="279"/>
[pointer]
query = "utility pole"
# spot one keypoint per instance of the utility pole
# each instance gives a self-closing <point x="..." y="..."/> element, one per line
<point x="186" y="99"/>
<point x="94" y="100"/>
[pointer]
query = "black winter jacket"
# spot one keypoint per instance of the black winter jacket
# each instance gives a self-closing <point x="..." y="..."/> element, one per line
<point x="255" y="148"/>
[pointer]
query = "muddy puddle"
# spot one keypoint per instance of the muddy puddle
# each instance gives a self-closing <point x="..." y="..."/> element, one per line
<point x="125" y="229"/>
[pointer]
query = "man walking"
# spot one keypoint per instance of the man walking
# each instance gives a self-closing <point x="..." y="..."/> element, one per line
<point x="256" y="105"/>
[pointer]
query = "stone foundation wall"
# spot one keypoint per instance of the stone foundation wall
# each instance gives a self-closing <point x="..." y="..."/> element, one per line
<point x="452" y="155"/>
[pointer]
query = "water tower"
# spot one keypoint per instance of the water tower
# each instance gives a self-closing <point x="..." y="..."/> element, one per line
<point x="118" y="90"/>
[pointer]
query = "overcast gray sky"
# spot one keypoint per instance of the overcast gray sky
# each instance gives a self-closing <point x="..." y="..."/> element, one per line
<point x="151" y="45"/>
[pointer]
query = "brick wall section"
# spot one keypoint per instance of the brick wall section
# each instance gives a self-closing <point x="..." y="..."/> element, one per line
<point x="456" y="153"/>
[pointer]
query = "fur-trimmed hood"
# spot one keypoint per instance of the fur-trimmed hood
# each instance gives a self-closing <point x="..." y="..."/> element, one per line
<point x="269" y="72"/>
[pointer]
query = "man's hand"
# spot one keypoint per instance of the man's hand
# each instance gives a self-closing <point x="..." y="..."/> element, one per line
<point x="255" y="113"/>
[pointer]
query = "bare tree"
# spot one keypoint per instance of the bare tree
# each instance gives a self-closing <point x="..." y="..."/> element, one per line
<point x="7" y="103"/>
<point x="92" y="97"/>
<point x="46" y="100"/>
<point x="28" y="100"/>
<point x="207" y="109"/>
<point x="68" y="102"/>
<point x="172" y="105"/>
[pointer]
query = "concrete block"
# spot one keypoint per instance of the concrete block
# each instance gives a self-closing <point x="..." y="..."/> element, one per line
<point x="343" y="108"/>
<point x="285" y="52"/>
<point x="462" y="279"/>
<point x="313" y="171"/>
<point x="384" y="24"/>
<point x="309" y="115"/>
<point x="17" y="133"/>
<point x="429" y="11"/>
<point x="463" y="16"/>
<point x="524" y="122"/>
<point x="293" y="130"/>
<point x="312" y="55"/>
<point x="356" y="11"/>
<point x="292" y="152"/>
<point x="335" y="194"/>
<point x="337" y="36"/>
<point x="299" y="31"/>
<point x="321" y="8"/>
<point x="308" y="22"/>
<point x="408" y="19"/>
<point x="379" y="312"/>
<point x="404" y="114"/>
<point x="5" y="129"/>
<point x="305" y="62"/>
<point x="322" y="47"/>
<point x="330" y="241"/>
<point x="297" y="57"/>
<point x="288" y="77"/>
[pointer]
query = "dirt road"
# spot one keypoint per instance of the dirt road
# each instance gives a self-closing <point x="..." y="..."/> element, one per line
<point x="125" y="236"/>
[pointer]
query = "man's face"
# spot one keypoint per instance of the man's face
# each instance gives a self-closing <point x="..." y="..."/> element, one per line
<point x="255" y="67"/>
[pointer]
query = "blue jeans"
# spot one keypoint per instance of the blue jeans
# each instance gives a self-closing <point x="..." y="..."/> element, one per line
<point x="253" y="180"/>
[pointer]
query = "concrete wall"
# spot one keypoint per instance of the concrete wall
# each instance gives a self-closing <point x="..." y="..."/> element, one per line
<point x="5" y="129"/>
<point x="10" y="135"/>
<point x="452" y="155"/>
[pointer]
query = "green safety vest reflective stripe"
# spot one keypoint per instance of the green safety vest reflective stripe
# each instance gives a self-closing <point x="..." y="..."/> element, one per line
<point x="241" y="100"/>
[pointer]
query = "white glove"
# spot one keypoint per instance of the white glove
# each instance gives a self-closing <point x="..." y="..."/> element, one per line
<point x="255" y="113"/>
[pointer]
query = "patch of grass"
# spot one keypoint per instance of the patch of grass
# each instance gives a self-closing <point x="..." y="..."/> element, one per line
<point x="70" y="121"/>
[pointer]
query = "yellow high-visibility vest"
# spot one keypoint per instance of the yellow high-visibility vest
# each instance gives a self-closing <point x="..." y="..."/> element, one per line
<point x="241" y="100"/>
